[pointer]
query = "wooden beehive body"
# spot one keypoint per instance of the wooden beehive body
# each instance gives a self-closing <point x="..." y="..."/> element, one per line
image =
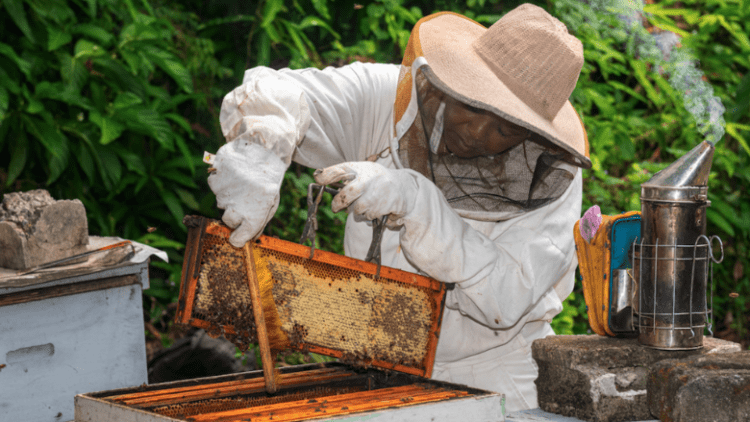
<point x="329" y="391"/>
<point x="328" y="304"/>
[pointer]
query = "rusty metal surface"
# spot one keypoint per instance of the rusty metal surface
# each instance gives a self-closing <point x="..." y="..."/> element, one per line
<point x="329" y="391"/>
<point x="328" y="304"/>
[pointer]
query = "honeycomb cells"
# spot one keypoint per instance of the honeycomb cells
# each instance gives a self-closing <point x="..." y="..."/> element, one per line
<point x="322" y="305"/>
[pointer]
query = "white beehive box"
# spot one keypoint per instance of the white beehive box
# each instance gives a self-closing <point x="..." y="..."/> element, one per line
<point x="61" y="337"/>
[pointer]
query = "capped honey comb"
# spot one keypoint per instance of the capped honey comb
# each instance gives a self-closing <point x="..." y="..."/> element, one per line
<point x="328" y="304"/>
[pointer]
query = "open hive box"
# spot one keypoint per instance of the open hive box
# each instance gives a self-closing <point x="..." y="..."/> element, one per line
<point x="330" y="391"/>
<point x="328" y="304"/>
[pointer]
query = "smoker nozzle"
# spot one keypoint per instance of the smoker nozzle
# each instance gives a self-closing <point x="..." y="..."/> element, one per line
<point x="691" y="169"/>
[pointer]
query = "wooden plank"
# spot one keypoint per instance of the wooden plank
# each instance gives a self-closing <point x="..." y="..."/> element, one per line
<point x="260" y="321"/>
<point x="68" y="289"/>
<point x="216" y="390"/>
<point x="334" y="405"/>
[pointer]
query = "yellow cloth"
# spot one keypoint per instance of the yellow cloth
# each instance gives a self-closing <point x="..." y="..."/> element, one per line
<point x="594" y="259"/>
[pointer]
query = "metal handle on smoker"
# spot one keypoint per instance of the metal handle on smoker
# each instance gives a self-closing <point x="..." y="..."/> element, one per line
<point x="311" y="225"/>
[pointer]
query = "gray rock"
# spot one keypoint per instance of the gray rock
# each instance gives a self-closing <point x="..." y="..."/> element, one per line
<point x="602" y="379"/>
<point x="36" y="229"/>
<point x="714" y="387"/>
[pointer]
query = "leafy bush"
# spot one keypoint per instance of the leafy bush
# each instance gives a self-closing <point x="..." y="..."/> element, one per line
<point x="638" y="123"/>
<point x="113" y="103"/>
<point x="95" y="100"/>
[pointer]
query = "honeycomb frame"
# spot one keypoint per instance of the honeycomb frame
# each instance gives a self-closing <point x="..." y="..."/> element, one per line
<point x="328" y="304"/>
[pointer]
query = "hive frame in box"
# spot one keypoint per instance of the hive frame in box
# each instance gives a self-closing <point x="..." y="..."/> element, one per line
<point x="204" y="231"/>
<point x="330" y="391"/>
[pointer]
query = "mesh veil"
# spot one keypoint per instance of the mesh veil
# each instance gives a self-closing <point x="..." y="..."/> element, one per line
<point x="522" y="178"/>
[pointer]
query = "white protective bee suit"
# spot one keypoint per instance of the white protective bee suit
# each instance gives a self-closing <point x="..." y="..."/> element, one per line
<point x="512" y="269"/>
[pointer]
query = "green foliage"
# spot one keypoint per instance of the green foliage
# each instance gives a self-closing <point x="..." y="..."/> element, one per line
<point x="114" y="102"/>
<point x="95" y="102"/>
<point x="573" y="318"/>
<point x="637" y="122"/>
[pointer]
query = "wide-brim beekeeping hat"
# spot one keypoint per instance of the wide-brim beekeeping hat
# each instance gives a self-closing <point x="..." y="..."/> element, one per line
<point x="523" y="68"/>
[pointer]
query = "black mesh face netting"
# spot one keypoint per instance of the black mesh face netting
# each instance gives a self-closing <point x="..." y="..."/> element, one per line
<point x="524" y="177"/>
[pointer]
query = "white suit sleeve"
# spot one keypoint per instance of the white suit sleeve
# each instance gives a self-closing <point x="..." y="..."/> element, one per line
<point x="314" y="117"/>
<point x="498" y="280"/>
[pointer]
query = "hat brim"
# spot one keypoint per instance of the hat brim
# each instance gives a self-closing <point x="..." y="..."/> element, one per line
<point x="456" y="68"/>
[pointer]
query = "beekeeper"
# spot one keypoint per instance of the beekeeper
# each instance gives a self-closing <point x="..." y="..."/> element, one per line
<point x="472" y="150"/>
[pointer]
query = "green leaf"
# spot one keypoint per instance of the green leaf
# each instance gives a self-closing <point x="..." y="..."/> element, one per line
<point x="313" y="21"/>
<point x="186" y="153"/>
<point x="148" y="122"/>
<point x="719" y="221"/>
<point x="56" y="11"/>
<point x="132" y="161"/>
<point x="375" y="10"/>
<point x="170" y="64"/>
<point x="85" y="161"/>
<point x="188" y="199"/>
<point x="159" y="241"/>
<point x="22" y="64"/>
<point x="18" y="14"/>
<point x="178" y="177"/>
<point x="173" y="204"/>
<point x="223" y="21"/>
<point x="54" y="142"/>
<point x="158" y="293"/>
<point x="733" y="129"/>
<point x="85" y="48"/>
<point x="17" y="157"/>
<point x="109" y="167"/>
<point x="626" y="146"/>
<point x="35" y="106"/>
<point x="726" y="210"/>
<point x="293" y="33"/>
<point x="4" y="100"/>
<point x="742" y="102"/>
<point x="625" y="88"/>
<point x="126" y="99"/>
<point x="72" y="72"/>
<point x="147" y="6"/>
<point x="60" y="92"/>
<point x="11" y="85"/>
<point x="270" y="10"/>
<point x="110" y="128"/>
<point x="322" y="8"/>
<point x="602" y="102"/>
<point x="92" y="8"/>
<point x="118" y="74"/>
<point x="264" y="49"/>
<point x="94" y="32"/>
<point x="181" y="122"/>
<point x="57" y="37"/>
<point x="639" y="67"/>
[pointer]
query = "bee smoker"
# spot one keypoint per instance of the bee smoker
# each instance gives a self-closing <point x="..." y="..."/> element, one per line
<point x="672" y="261"/>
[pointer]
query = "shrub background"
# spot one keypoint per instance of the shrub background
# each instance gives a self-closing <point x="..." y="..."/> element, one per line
<point x="114" y="101"/>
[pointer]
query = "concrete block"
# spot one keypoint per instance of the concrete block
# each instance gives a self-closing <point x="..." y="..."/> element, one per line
<point x="714" y="387"/>
<point x="36" y="229"/>
<point x="602" y="379"/>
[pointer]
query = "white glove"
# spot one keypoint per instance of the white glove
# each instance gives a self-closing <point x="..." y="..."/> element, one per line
<point x="246" y="183"/>
<point x="371" y="190"/>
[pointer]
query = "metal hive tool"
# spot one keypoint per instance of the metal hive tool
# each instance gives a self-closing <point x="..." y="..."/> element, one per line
<point x="328" y="304"/>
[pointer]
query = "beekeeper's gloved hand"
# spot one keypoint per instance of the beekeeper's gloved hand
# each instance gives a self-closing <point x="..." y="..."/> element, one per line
<point x="371" y="190"/>
<point x="246" y="182"/>
<point x="432" y="235"/>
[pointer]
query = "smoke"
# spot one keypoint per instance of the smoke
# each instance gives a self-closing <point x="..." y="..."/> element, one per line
<point x="669" y="58"/>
